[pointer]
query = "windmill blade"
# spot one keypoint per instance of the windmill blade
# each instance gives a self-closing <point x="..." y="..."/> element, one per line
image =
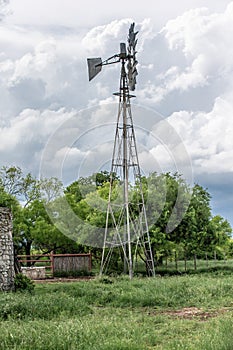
<point x="94" y="67"/>
<point x="132" y="61"/>
<point x="132" y="35"/>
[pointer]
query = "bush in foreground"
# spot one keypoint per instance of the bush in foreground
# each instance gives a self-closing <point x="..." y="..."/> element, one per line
<point x="23" y="283"/>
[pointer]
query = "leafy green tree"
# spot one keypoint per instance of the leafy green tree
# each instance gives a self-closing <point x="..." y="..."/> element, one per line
<point x="73" y="193"/>
<point x="103" y="177"/>
<point x="31" y="215"/>
<point x="11" y="178"/>
<point x="30" y="189"/>
<point x="8" y="200"/>
<point x="24" y="188"/>
<point x="88" y="199"/>
<point x="219" y="236"/>
<point x="193" y="230"/>
<point x="36" y="230"/>
<point x="230" y="248"/>
<point x="50" y="189"/>
<point x="168" y="197"/>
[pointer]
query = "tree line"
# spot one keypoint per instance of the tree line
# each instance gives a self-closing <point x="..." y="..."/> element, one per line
<point x="180" y="217"/>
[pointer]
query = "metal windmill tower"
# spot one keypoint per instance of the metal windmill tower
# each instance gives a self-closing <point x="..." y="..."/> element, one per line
<point x="126" y="227"/>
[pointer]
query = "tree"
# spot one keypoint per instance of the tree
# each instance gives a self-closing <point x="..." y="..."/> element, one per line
<point x="33" y="195"/>
<point x="219" y="234"/>
<point x="8" y="200"/>
<point x="167" y="198"/>
<point x="50" y="189"/>
<point x="193" y="230"/>
<point x="34" y="228"/>
<point x="89" y="202"/>
<point x="25" y="189"/>
<point x="104" y="176"/>
<point x="30" y="189"/>
<point x="11" y="179"/>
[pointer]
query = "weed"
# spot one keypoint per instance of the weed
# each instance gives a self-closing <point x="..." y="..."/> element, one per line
<point x="23" y="283"/>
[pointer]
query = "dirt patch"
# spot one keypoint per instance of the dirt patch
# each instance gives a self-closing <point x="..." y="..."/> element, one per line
<point x="191" y="313"/>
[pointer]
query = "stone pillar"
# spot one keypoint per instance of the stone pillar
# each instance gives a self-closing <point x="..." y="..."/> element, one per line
<point x="7" y="272"/>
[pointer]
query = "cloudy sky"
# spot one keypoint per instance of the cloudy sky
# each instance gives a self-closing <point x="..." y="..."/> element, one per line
<point x="55" y="122"/>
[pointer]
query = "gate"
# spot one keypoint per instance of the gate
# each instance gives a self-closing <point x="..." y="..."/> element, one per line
<point x="40" y="266"/>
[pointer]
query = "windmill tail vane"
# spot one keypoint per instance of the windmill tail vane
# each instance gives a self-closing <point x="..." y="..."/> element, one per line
<point x="128" y="54"/>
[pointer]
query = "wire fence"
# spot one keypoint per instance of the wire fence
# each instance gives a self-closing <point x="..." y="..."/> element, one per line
<point x="195" y="263"/>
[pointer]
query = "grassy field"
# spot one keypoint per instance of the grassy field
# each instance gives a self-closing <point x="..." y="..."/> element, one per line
<point x="179" y="312"/>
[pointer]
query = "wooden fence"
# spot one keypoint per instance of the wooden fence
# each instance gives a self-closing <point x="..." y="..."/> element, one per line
<point x="48" y="265"/>
<point x="71" y="262"/>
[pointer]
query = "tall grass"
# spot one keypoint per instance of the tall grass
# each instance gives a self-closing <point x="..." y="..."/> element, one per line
<point x="120" y="314"/>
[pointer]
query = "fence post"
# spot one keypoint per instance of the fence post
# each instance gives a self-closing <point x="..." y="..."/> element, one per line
<point x="52" y="262"/>
<point x="195" y="262"/>
<point x="176" y="260"/>
<point x="90" y="261"/>
<point x="206" y="257"/>
<point x="215" y="255"/>
<point x="225" y="258"/>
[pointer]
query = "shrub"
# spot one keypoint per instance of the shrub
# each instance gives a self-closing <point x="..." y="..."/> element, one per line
<point x="23" y="283"/>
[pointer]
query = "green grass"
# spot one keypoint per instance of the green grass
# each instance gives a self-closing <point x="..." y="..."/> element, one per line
<point x="115" y="313"/>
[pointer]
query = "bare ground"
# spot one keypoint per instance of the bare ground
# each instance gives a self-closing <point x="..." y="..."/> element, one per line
<point x="191" y="313"/>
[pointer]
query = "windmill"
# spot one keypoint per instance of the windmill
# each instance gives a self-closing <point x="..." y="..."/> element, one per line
<point x="126" y="228"/>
